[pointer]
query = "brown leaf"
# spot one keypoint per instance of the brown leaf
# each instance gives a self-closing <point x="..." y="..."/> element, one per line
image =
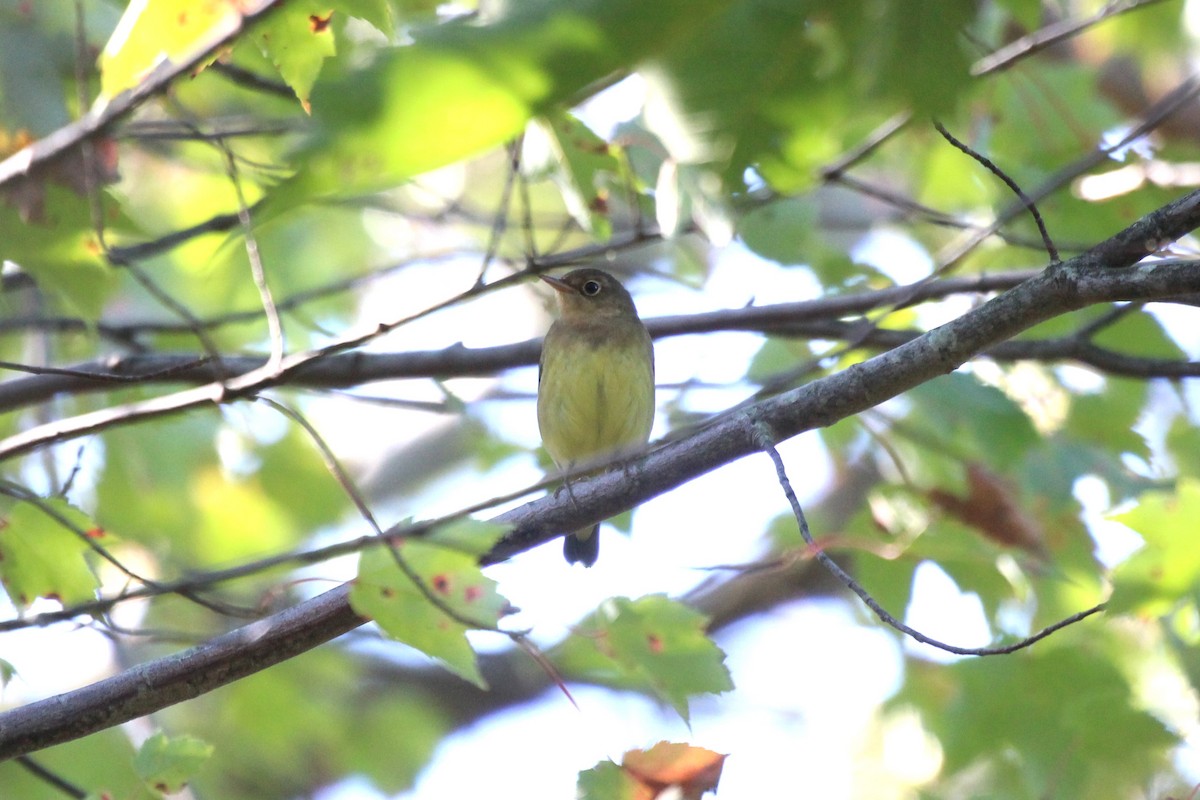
<point x="991" y="507"/>
<point x="693" y="770"/>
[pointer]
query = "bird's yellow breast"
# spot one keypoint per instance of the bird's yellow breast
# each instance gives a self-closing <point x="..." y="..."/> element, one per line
<point x="595" y="393"/>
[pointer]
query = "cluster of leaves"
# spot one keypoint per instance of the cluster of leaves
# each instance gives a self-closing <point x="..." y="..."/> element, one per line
<point x="292" y="115"/>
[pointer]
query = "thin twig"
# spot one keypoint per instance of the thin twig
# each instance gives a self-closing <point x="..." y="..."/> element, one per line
<point x="991" y="167"/>
<point x="1052" y="34"/>
<point x="259" y="274"/>
<point x="52" y="778"/>
<point x="252" y="80"/>
<point x="1154" y="116"/>
<point x="226" y="389"/>
<point x="765" y="440"/>
<point x="22" y="494"/>
<point x="876" y="139"/>
<point x="500" y="221"/>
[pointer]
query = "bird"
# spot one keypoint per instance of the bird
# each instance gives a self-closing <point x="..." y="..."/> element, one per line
<point x="595" y="383"/>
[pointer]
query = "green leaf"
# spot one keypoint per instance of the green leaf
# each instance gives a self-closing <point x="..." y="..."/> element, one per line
<point x="53" y="241"/>
<point x="168" y="764"/>
<point x="607" y="781"/>
<point x="1060" y="743"/>
<point x="385" y="594"/>
<point x="1167" y="569"/>
<point x="1049" y="473"/>
<point x="746" y="91"/>
<point x="1183" y="441"/>
<point x="1019" y="111"/>
<point x="472" y="537"/>
<point x="149" y="492"/>
<point x="976" y="420"/>
<point x="781" y="230"/>
<point x="7" y="673"/>
<point x="292" y="467"/>
<point x="654" y="644"/>
<point x="1027" y="13"/>
<point x="297" y="39"/>
<point x="392" y="761"/>
<point x="776" y="356"/>
<point x="376" y="12"/>
<point x="460" y="88"/>
<point x="584" y="167"/>
<point x="41" y="557"/>
<point x="919" y="55"/>
<point x="884" y="569"/>
<point x="33" y="63"/>
<point x="1139" y="334"/>
<point x="101" y="763"/>
<point x="1107" y="417"/>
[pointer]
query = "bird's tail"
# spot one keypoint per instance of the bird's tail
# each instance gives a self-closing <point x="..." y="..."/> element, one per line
<point x="582" y="546"/>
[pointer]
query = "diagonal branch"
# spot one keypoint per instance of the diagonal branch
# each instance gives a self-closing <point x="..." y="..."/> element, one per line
<point x="1103" y="274"/>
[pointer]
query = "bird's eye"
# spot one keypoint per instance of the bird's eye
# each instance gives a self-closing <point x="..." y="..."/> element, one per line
<point x="591" y="288"/>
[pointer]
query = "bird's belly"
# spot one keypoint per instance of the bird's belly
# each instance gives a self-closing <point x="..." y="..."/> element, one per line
<point x="604" y="404"/>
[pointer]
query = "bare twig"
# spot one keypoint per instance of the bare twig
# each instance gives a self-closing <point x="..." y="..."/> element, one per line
<point x="1153" y="117"/>
<point x="52" y="778"/>
<point x="816" y="319"/>
<point x="766" y="442"/>
<point x="1052" y="34"/>
<point x="991" y="167"/>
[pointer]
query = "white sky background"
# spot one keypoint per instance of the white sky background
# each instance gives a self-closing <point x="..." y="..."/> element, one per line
<point x="810" y="676"/>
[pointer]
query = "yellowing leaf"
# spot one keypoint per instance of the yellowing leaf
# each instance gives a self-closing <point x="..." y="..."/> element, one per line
<point x="177" y="31"/>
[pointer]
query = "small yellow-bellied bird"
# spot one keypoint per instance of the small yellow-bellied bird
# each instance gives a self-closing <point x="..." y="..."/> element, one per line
<point x="595" y="383"/>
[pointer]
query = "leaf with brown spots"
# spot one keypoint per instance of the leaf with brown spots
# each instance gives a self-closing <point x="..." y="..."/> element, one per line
<point x="405" y="613"/>
<point x="297" y="39"/>
<point x="167" y="764"/>
<point x="653" y="644"/>
<point x="42" y="557"/>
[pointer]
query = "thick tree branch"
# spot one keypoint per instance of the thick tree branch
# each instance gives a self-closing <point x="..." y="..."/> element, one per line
<point x="1103" y="274"/>
<point x="813" y="319"/>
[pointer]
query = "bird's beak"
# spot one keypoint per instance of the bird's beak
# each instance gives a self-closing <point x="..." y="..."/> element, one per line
<point x="558" y="283"/>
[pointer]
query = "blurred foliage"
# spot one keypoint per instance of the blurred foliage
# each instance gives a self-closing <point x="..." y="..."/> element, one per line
<point x="392" y="154"/>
